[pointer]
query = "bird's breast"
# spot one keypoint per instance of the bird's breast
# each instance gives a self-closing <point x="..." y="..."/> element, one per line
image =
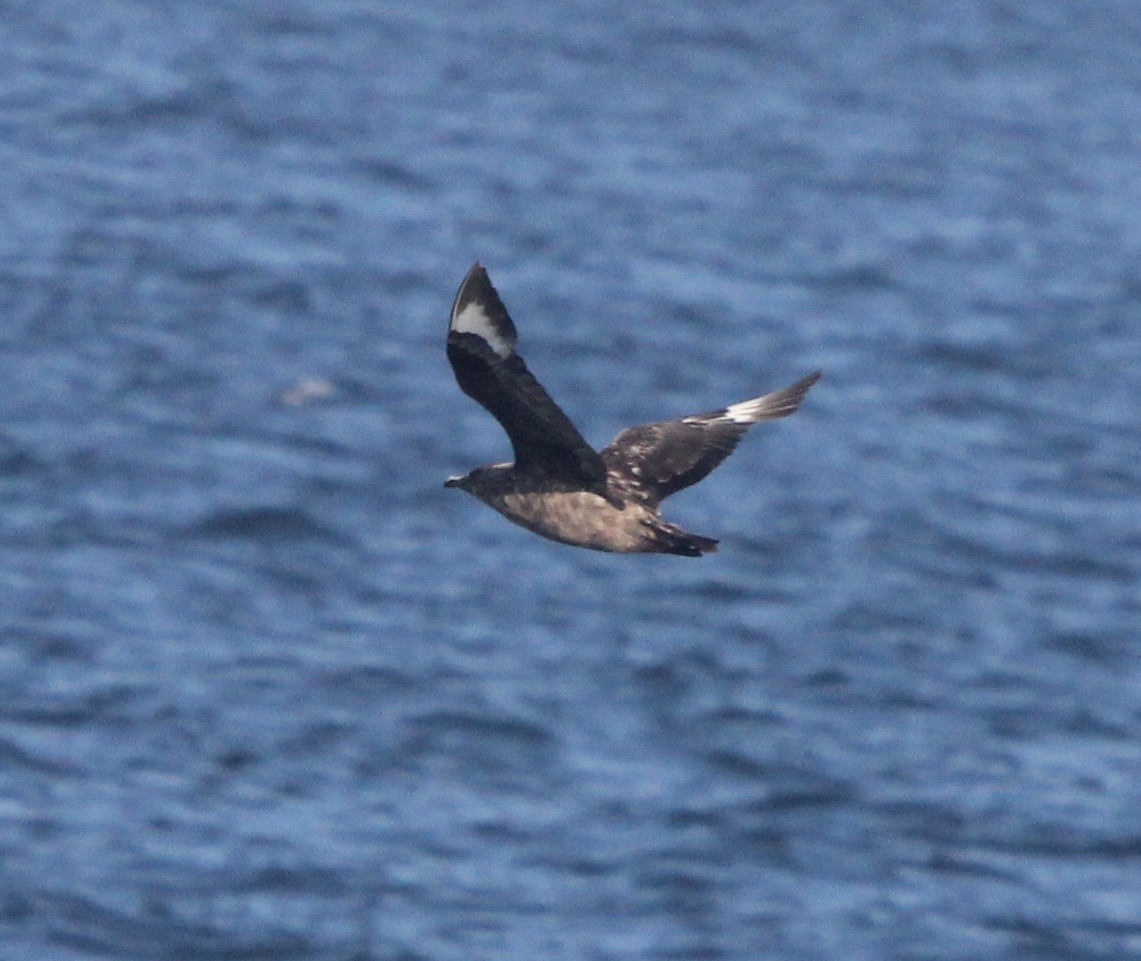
<point x="580" y="518"/>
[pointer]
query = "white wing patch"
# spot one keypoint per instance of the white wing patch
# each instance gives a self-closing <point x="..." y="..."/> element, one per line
<point x="473" y="319"/>
<point x="780" y="403"/>
<point x="747" y="411"/>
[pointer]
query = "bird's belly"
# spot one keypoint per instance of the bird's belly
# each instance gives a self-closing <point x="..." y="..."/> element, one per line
<point x="579" y="518"/>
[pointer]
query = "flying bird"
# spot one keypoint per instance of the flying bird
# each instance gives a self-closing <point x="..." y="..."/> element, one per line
<point x="561" y="487"/>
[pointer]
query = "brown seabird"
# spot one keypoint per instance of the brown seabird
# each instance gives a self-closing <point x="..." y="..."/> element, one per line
<point x="559" y="486"/>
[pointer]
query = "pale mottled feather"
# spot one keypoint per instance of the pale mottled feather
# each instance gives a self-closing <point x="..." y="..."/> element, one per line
<point x="658" y="460"/>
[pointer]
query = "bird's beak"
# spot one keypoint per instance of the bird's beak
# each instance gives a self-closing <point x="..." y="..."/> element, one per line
<point x="453" y="482"/>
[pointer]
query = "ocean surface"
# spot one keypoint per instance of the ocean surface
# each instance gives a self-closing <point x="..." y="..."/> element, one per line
<point x="268" y="691"/>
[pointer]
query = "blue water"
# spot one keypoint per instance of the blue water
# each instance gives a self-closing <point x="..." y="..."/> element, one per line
<point x="267" y="691"/>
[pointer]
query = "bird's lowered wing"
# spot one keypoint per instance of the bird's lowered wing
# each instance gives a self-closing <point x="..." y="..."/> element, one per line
<point x="661" y="459"/>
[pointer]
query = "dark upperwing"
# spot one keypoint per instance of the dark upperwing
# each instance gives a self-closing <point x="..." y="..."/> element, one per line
<point x="481" y="349"/>
<point x="660" y="459"/>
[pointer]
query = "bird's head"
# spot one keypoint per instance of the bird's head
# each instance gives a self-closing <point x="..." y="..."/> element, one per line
<point x="481" y="482"/>
<point x="460" y="481"/>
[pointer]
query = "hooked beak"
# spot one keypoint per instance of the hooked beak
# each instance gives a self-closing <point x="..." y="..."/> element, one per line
<point x="453" y="482"/>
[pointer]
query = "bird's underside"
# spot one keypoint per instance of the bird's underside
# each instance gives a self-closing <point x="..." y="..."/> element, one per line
<point x="559" y="486"/>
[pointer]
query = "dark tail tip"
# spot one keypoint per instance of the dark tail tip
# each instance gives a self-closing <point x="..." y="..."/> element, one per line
<point x="690" y="545"/>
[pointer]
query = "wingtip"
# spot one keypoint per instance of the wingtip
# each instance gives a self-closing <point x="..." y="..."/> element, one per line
<point x="797" y="392"/>
<point x="779" y="403"/>
<point x="475" y="272"/>
<point x="802" y="386"/>
<point x="477" y="309"/>
<point x="474" y="282"/>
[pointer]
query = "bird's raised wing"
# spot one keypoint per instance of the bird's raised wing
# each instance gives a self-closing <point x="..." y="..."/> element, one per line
<point x="657" y="460"/>
<point x="481" y="349"/>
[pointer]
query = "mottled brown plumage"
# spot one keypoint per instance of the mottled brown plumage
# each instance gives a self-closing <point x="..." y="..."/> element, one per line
<point x="559" y="486"/>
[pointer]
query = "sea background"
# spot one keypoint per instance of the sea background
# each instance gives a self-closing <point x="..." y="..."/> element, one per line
<point x="268" y="691"/>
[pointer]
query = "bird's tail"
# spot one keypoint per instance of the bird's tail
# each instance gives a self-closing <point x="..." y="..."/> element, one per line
<point x="670" y="539"/>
